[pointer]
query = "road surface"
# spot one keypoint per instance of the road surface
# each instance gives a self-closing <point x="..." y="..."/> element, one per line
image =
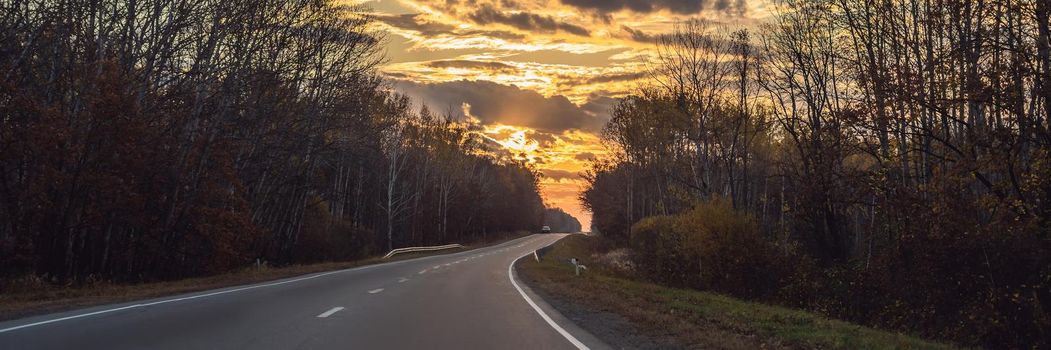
<point x="466" y="300"/>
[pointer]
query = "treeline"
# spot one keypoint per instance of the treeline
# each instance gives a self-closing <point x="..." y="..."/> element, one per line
<point x="144" y="140"/>
<point x="560" y="221"/>
<point x="891" y="160"/>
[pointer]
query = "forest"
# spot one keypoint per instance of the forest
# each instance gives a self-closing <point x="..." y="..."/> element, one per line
<point x="161" y="139"/>
<point x="885" y="162"/>
<point x="560" y="221"/>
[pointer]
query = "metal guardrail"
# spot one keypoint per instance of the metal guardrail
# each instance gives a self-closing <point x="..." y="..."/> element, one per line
<point x="420" y="249"/>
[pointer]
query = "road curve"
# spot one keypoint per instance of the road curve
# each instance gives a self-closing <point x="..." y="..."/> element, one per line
<point x="466" y="300"/>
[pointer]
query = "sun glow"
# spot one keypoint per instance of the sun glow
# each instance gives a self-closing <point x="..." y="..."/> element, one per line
<point x="517" y="142"/>
<point x="560" y="158"/>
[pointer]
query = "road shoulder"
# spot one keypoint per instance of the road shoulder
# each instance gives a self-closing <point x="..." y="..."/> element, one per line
<point x="570" y="325"/>
<point x="631" y="314"/>
<point x="608" y="330"/>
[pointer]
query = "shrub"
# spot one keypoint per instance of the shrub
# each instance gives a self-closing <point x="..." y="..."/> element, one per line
<point x="710" y="247"/>
<point x="986" y="288"/>
<point x="327" y="239"/>
<point x="956" y="277"/>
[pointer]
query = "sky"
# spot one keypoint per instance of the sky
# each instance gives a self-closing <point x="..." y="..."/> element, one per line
<point x="540" y="76"/>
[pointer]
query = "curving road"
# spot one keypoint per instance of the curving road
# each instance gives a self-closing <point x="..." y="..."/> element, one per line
<point x="466" y="300"/>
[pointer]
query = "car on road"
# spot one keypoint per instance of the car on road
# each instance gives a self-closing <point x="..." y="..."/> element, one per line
<point x="545" y="229"/>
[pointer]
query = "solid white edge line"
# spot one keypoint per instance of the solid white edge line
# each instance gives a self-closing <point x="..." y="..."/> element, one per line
<point x="135" y="306"/>
<point x="330" y="312"/>
<point x="563" y="332"/>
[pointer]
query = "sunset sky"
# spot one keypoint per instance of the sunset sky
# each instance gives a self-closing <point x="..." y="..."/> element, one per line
<point x="540" y="76"/>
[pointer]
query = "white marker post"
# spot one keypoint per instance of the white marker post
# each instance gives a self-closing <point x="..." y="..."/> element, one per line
<point x="577" y="266"/>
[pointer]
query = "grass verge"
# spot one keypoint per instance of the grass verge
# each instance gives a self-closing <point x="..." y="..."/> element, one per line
<point x="689" y="318"/>
<point x="29" y="297"/>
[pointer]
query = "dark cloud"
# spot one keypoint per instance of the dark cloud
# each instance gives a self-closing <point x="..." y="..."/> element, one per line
<point x="468" y="64"/>
<point x="639" y="36"/>
<point x="586" y="156"/>
<point x="597" y="59"/>
<point x="416" y="23"/>
<point x="494" y="103"/>
<point x="645" y="6"/>
<point x="600" y="106"/>
<point x="542" y="138"/>
<point x="616" y="77"/>
<point x="500" y="34"/>
<point x="525" y="21"/>
<point x="560" y="174"/>
<point x="395" y="75"/>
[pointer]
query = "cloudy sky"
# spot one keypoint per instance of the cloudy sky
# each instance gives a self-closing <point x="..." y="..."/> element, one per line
<point x="539" y="75"/>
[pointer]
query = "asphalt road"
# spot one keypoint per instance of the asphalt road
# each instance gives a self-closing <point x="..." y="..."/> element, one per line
<point x="466" y="300"/>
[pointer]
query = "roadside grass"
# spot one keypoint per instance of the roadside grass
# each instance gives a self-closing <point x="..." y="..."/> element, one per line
<point x="694" y="319"/>
<point x="31" y="296"/>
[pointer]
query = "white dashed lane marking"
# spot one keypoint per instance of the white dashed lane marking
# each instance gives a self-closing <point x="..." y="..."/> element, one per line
<point x="377" y="290"/>
<point x="330" y="312"/>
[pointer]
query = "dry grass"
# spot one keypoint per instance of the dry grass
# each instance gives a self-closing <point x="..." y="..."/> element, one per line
<point x="697" y="319"/>
<point x="33" y="296"/>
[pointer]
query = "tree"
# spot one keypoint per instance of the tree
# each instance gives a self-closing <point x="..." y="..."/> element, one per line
<point x="164" y="139"/>
<point x="888" y="143"/>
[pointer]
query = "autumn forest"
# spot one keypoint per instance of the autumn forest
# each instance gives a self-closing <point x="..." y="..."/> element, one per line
<point x="163" y="139"/>
<point x="884" y="162"/>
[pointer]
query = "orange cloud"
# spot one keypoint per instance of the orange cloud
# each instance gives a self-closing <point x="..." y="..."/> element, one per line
<point x="537" y="78"/>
